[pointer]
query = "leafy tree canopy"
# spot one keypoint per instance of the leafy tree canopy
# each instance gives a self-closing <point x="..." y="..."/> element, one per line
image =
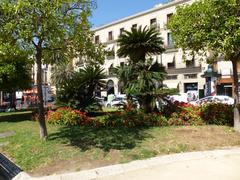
<point x="15" y="70"/>
<point x="59" y="28"/>
<point x="208" y="25"/>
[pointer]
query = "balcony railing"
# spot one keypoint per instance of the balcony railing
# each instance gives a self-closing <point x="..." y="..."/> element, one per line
<point x="196" y="69"/>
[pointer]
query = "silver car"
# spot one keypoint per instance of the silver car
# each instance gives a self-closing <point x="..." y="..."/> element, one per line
<point x="214" y="99"/>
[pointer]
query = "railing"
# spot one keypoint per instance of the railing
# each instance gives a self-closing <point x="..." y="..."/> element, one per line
<point x="197" y="69"/>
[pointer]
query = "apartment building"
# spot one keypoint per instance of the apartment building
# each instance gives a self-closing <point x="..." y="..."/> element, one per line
<point x="186" y="74"/>
<point x="182" y="74"/>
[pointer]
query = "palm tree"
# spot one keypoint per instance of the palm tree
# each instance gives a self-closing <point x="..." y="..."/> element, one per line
<point x="141" y="75"/>
<point x="91" y="77"/>
<point x="61" y="73"/>
<point x="77" y="89"/>
<point x="139" y="43"/>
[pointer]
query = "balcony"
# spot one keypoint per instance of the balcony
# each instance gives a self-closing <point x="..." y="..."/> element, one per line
<point x="109" y="41"/>
<point x="196" y="69"/>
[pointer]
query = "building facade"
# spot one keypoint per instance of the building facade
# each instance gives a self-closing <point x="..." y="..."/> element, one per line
<point x="186" y="74"/>
<point x="182" y="74"/>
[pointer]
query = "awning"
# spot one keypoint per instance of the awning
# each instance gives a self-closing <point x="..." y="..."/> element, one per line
<point x="168" y="58"/>
<point x="172" y="85"/>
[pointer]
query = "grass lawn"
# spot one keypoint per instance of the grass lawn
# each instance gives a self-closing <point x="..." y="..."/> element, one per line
<point x="78" y="148"/>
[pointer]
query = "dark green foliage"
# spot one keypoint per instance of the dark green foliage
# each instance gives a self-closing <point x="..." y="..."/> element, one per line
<point x="15" y="71"/>
<point x="77" y="90"/>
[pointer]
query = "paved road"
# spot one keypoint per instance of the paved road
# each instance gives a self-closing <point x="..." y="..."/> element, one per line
<point x="203" y="165"/>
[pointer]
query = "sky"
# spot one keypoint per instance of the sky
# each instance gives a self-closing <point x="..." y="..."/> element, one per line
<point x="111" y="10"/>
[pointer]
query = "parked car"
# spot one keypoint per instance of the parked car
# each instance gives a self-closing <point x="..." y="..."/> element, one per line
<point x="117" y="102"/>
<point x="214" y="99"/>
<point x="182" y="97"/>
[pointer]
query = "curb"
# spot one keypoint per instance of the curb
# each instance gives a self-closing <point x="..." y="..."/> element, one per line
<point x="138" y="164"/>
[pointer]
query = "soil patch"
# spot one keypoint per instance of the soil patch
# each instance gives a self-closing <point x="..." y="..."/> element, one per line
<point x="77" y="164"/>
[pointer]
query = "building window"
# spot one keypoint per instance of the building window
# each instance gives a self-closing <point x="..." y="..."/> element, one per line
<point x="111" y="70"/>
<point x="169" y="17"/>
<point x="121" y="31"/>
<point x="190" y="87"/>
<point x="110" y="54"/>
<point x="170" y="40"/>
<point x="153" y="23"/>
<point x="97" y="39"/>
<point x="171" y="65"/>
<point x="171" y="77"/>
<point x="134" y="26"/>
<point x="190" y="76"/>
<point x="121" y="64"/>
<point x="190" y="63"/>
<point x="110" y="36"/>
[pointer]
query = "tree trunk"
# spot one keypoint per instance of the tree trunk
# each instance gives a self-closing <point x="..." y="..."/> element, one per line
<point x="41" y="115"/>
<point x="13" y="100"/>
<point x="147" y="103"/>
<point x="236" y="96"/>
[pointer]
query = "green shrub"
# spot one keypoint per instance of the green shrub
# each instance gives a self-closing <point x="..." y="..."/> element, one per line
<point x="188" y="115"/>
<point x="134" y="118"/>
<point x="67" y="116"/>
<point x="217" y="113"/>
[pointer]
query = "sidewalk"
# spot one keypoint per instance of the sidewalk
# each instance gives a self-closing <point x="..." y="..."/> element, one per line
<point x="203" y="165"/>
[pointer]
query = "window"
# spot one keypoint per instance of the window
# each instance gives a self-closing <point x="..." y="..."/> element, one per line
<point x="153" y="22"/>
<point x="111" y="70"/>
<point x="171" y="77"/>
<point x="134" y="26"/>
<point x="97" y="39"/>
<point x="121" y="31"/>
<point x="190" y="76"/>
<point x="110" y="54"/>
<point x="110" y="36"/>
<point x="169" y="17"/>
<point x="170" y="40"/>
<point x="190" y="63"/>
<point x="171" y="65"/>
<point x="121" y="64"/>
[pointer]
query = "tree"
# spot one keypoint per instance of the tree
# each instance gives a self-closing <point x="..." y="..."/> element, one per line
<point x="50" y="31"/>
<point x="78" y="90"/>
<point x="15" y="72"/>
<point x="140" y="77"/>
<point x="211" y="26"/>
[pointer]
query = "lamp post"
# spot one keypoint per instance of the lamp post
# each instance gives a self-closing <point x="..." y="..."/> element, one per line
<point x="45" y="85"/>
<point x="210" y="75"/>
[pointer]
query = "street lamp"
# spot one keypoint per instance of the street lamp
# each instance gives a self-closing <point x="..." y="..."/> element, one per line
<point x="45" y="85"/>
<point x="210" y="75"/>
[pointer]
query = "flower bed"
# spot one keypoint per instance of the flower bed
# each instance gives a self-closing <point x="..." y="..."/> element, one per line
<point x="179" y="114"/>
<point x="67" y="116"/>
